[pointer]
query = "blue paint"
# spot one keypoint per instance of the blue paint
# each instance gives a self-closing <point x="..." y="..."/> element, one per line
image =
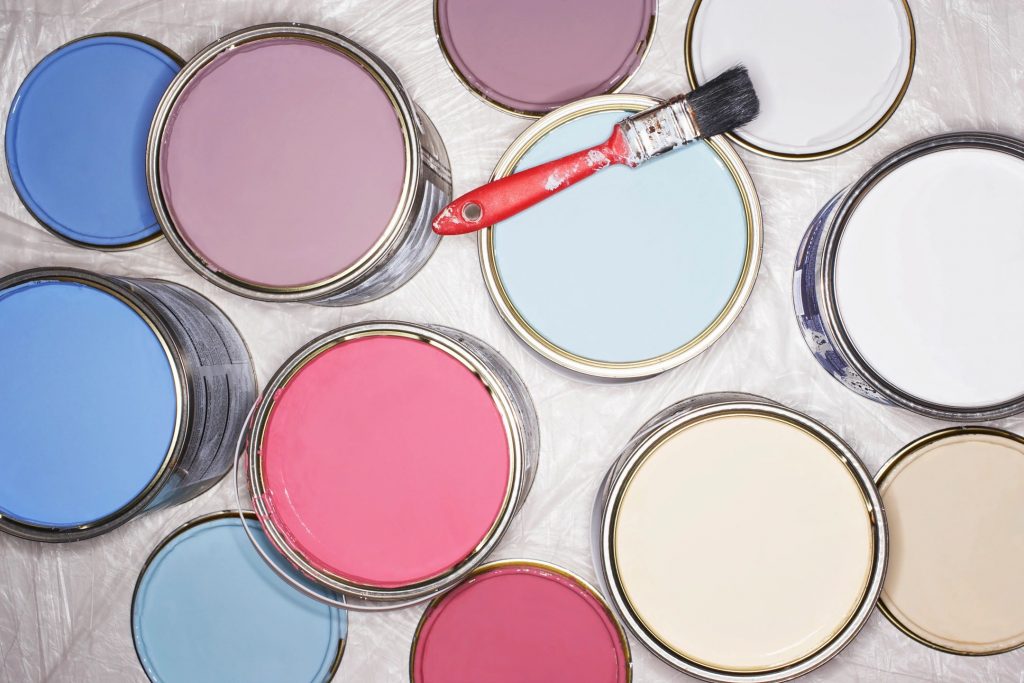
<point x="87" y="403"/>
<point x="76" y="138"/>
<point x="632" y="263"/>
<point x="210" y="609"/>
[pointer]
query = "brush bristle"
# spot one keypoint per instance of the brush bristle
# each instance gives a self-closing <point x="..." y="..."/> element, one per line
<point x="724" y="103"/>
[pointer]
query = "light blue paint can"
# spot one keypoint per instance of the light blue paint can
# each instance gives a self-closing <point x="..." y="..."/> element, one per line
<point x="208" y="608"/>
<point x="76" y="138"/>
<point x="633" y="271"/>
<point x="118" y="396"/>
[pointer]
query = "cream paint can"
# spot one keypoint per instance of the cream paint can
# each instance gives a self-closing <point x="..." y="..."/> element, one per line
<point x="907" y="282"/>
<point x="324" y="195"/>
<point x="740" y="540"/>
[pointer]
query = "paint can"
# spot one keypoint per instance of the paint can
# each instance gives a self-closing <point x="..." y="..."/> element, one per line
<point x="75" y="140"/>
<point x="206" y="608"/>
<point x="905" y="281"/>
<point x="520" y="620"/>
<point x="528" y="58"/>
<point x="327" y="192"/>
<point x="828" y="76"/>
<point x="120" y="396"/>
<point x="635" y="271"/>
<point x="740" y="540"/>
<point x="387" y="459"/>
<point x="953" y="499"/>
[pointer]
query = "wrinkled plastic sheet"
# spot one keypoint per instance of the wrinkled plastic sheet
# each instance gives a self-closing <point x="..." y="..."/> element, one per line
<point x="64" y="610"/>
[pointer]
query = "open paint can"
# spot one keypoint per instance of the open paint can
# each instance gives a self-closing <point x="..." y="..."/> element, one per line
<point x="532" y="56"/>
<point x="955" y="504"/>
<point x="635" y="271"/>
<point x="75" y="141"/>
<point x="828" y="74"/>
<point x="287" y="163"/>
<point x="208" y="609"/>
<point x="740" y="540"/>
<point x="386" y="460"/>
<point x="908" y="280"/>
<point x="119" y="396"/>
<point x="520" y="620"/>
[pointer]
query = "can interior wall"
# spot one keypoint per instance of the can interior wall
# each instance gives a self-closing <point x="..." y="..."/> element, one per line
<point x="612" y="349"/>
<point x="658" y="636"/>
<point x="405" y="242"/>
<point x="817" y="305"/>
<point x="506" y="394"/>
<point x="214" y="386"/>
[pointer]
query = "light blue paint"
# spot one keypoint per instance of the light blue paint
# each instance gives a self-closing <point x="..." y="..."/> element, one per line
<point x="87" y="403"/>
<point x="76" y="138"/>
<point x="209" y="609"/>
<point x="630" y="264"/>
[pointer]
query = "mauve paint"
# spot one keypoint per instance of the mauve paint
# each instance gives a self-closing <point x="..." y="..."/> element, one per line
<point x="385" y="461"/>
<point x="519" y="623"/>
<point x="282" y="162"/>
<point x="535" y="55"/>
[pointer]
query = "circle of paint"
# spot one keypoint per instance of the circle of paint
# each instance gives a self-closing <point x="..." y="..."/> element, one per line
<point x="88" y="404"/>
<point x="633" y="265"/>
<point x="743" y="543"/>
<point x="385" y="461"/>
<point x="927" y="274"/>
<point x="533" y="56"/>
<point x="208" y="608"/>
<point x="76" y="138"/>
<point x="955" y="505"/>
<point x="520" y="623"/>
<point x="827" y="74"/>
<point x="282" y="163"/>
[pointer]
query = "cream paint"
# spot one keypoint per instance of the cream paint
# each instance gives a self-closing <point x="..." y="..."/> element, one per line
<point x="743" y="543"/>
<point x="956" y="515"/>
<point x="825" y="72"/>
<point x="928" y="277"/>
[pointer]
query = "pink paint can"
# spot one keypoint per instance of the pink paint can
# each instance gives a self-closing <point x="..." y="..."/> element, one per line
<point x="287" y="163"/>
<point x="386" y="460"/>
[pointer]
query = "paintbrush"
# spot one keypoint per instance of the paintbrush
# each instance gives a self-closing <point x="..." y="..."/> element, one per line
<point x="724" y="103"/>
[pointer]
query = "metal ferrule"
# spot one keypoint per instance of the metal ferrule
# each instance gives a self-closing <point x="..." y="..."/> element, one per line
<point x="523" y="434"/>
<point x="659" y="130"/>
<point x="814" y="289"/>
<point x="654" y="432"/>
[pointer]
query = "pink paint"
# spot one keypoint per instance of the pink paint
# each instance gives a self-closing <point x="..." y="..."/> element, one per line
<point x="385" y="461"/>
<point x="282" y="162"/>
<point x="535" y="55"/>
<point x="519" y="624"/>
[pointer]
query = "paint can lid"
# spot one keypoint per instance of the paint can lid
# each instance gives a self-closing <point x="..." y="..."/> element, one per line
<point x="89" y="404"/>
<point x="532" y="56"/>
<point x="208" y="608"/>
<point x="76" y="138"/>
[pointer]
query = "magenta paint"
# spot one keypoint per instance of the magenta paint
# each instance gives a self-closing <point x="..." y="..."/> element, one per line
<point x="520" y="622"/>
<point x="282" y="162"/>
<point x="532" y="56"/>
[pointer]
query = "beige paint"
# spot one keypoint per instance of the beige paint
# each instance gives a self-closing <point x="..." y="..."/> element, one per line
<point x="956" y="514"/>
<point x="744" y="543"/>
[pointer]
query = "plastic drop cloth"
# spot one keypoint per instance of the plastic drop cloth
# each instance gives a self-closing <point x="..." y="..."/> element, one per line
<point x="64" y="610"/>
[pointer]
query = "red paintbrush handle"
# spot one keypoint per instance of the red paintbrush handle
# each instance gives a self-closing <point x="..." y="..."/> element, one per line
<point x="505" y="197"/>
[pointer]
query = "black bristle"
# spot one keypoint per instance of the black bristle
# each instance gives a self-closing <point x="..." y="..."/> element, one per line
<point x="724" y="103"/>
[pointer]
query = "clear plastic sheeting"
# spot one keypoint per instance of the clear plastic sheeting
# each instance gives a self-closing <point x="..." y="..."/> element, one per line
<point x="64" y="610"/>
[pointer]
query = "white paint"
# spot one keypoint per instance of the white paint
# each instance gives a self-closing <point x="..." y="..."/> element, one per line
<point x="930" y="277"/>
<point x="956" y="518"/>
<point x="825" y="72"/>
<point x="743" y="542"/>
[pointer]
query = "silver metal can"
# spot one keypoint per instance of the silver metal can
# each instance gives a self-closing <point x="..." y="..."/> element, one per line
<point x="210" y="388"/>
<point x="826" y="322"/>
<point x="262" y="487"/>
<point x="676" y="509"/>
<point x="407" y="240"/>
